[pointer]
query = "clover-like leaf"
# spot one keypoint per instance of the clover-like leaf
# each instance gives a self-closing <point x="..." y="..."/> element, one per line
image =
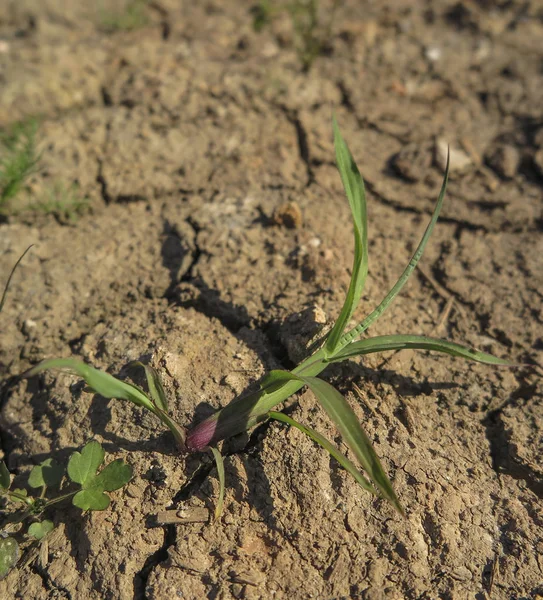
<point x="82" y="469"/>
<point x="83" y="465"/>
<point x="48" y="473"/>
<point x="91" y="499"/>
<point x="40" y="530"/>
<point x="9" y="555"/>
<point x="5" y="478"/>
<point x="114" y="476"/>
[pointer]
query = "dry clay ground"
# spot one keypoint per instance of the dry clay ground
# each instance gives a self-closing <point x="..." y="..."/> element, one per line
<point x="187" y="135"/>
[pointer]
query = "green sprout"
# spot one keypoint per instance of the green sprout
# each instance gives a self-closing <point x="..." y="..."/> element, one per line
<point x="133" y="16"/>
<point x="18" y="159"/>
<point x="311" y="34"/>
<point x="64" y="202"/>
<point x="253" y="408"/>
<point x="82" y="470"/>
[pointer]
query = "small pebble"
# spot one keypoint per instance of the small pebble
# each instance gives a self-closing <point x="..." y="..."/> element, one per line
<point x="460" y="161"/>
<point x="504" y="160"/>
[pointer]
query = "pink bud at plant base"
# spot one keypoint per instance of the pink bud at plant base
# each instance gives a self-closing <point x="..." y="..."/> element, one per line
<point x="202" y="435"/>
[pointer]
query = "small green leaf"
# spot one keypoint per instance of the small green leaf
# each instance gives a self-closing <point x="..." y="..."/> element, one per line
<point x="101" y="383"/>
<point x="82" y="469"/>
<point x="347" y="464"/>
<point x="113" y="476"/>
<point x="40" y="530"/>
<point x="91" y="499"/>
<point x="385" y="343"/>
<point x="155" y="385"/>
<point x="83" y="465"/>
<point x="220" y="472"/>
<point x="49" y="473"/>
<point x="354" y="188"/>
<point x="5" y="478"/>
<point x="9" y="555"/>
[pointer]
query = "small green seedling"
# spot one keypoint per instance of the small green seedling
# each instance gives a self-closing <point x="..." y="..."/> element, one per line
<point x="18" y="159"/>
<point x="311" y="33"/>
<point x="90" y="494"/>
<point x="247" y="411"/>
<point x="64" y="202"/>
<point x="132" y="16"/>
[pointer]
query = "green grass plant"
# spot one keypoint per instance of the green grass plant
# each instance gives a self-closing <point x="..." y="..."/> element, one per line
<point x="132" y="16"/>
<point x="311" y="31"/>
<point x="18" y="159"/>
<point x="65" y="203"/>
<point x="277" y="386"/>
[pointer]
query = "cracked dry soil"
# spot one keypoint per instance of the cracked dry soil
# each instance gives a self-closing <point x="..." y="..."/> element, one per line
<point x="187" y="136"/>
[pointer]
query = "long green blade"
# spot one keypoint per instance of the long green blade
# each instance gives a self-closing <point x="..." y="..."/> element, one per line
<point x="6" y="287"/>
<point x="415" y="342"/>
<point x="222" y="481"/>
<point x="154" y="384"/>
<point x="345" y="420"/>
<point x="354" y="188"/>
<point x="375" y="314"/>
<point x="347" y="464"/>
<point x="102" y="383"/>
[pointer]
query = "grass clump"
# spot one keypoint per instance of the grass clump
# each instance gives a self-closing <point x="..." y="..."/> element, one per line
<point x="18" y="159"/>
<point x="64" y="202"/>
<point x="132" y="16"/>
<point x="312" y="32"/>
<point x="339" y="345"/>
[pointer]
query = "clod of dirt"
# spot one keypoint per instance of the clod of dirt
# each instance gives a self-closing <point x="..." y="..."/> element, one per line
<point x="300" y="330"/>
<point x="504" y="159"/>
<point x="288" y="215"/>
<point x="413" y="161"/>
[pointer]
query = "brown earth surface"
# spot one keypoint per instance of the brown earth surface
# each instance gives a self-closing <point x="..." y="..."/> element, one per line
<point x="216" y="214"/>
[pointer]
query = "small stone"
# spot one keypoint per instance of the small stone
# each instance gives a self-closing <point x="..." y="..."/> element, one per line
<point x="459" y="160"/>
<point x="29" y="327"/>
<point x="433" y="53"/>
<point x="288" y="215"/>
<point x="504" y="160"/>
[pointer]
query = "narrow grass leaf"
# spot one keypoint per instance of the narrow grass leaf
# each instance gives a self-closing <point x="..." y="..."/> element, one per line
<point x="354" y="188"/>
<point x="385" y="303"/>
<point x="100" y="382"/>
<point x="347" y="464"/>
<point x="11" y="275"/>
<point x="344" y="418"/>
<point x="5" y="477"/>
<point x="155" y="385"/>
<point x="222" y="480"/>
<point x="384" y="343"/>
